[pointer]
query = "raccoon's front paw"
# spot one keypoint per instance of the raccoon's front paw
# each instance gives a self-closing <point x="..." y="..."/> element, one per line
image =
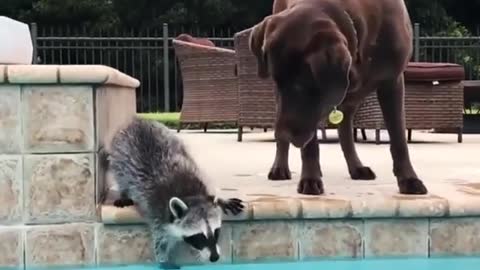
<point x="234" y="205"/>
<point x="168" y="265"/>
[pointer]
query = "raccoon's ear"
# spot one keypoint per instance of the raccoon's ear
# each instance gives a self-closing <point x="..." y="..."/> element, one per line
<point x="177" y="207"/>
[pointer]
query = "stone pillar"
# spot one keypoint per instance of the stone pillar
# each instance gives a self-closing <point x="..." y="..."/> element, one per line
<point x="53" y="122"/>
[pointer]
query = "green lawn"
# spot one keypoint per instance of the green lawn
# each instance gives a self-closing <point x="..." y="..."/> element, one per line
<point x="161" y="117"/>
<point x="172" y="120"/>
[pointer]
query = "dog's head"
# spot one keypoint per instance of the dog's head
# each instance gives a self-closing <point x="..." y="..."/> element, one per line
<point x="308" y="58"/>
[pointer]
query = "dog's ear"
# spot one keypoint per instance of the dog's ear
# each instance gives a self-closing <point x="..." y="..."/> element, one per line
<point x="330" y="62"/>
<point x="256" y="43"/>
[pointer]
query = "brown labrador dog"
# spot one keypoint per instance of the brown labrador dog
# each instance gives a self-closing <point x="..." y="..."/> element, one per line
<point x="324" y="54"/>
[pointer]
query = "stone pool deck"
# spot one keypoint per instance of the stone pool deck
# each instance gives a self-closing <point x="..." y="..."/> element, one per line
<point x="450" y="170"/>
<point x="352" y="220"/>
<point x="56" y="119"/>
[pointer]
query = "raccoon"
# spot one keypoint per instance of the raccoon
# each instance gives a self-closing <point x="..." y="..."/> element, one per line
<point x="154" y="171"/>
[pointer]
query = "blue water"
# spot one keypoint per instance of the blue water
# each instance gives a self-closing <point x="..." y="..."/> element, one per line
<point x="391" y="264"/>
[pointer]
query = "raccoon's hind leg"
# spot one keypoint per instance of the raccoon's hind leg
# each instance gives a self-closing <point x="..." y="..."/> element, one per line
<point x="123" y="201"/>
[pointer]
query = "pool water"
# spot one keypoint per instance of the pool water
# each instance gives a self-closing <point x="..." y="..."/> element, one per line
<point x="392" y="264"/>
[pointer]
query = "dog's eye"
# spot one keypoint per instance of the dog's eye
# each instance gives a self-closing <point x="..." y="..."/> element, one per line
<point x="217" y="234"/>
<point x="198" y="241"/>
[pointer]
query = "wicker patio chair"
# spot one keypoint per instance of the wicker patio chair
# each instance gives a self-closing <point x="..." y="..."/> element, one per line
<point x="433" y="99"/>
<point x="209" y="84"/>
<point x="256" y="96"/>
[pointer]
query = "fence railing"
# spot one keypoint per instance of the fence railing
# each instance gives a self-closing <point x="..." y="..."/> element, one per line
<point x="149" y="56"/>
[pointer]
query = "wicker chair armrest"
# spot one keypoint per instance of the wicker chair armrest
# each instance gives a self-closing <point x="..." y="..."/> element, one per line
<point x="240" y="40"/>
<point x="183" y="47"/>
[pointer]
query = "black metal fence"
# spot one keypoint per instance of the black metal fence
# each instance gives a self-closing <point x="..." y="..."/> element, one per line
<point x="148" y="55"/>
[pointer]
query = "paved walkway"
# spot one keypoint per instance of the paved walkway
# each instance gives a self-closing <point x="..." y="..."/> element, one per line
<point x="438" y="159"/>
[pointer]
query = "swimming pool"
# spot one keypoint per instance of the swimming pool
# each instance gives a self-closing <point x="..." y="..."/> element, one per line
<point x="393" y="264"/>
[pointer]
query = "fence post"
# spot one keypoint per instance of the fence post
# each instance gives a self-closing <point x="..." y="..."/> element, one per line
<point x="34" y="35"/>
<point x="166" y="70"/>
<point x="416" y="33"/>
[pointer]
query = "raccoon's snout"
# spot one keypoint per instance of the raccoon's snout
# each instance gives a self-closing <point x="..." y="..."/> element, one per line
<point x="210" y="254"/>
<point x="214" y="257"/>
<point x="215" y="254"/>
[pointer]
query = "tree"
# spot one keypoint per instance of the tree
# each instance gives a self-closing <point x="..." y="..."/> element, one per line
<point x="435" y="17"/>
<point x="90" y="13"/>
<point x="15" y="8"/>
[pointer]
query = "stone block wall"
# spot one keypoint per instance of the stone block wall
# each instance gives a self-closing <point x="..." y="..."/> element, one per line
<point x="53" y="122"/>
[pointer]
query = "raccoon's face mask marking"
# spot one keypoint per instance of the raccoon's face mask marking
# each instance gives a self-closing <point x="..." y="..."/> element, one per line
<point x="205" y="244"/>
<point x="198" y="226"/>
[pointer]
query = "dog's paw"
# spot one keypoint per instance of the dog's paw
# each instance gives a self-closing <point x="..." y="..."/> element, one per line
<point x="412" y="186"/>
<point x="123" y="202"/>
<point x="234" y="205"/>
<point x="310" y="186"/>
<point x="279" y="173"/>
<point x="362" y="173"/>
<point x="167" y="265"/>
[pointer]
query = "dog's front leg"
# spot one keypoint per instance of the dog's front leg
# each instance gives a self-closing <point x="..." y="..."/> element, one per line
<point x="345" y="133"/>
<point x="311" y="177"/>
<point x="391" y="98"/>
<point x="280" y="169"/>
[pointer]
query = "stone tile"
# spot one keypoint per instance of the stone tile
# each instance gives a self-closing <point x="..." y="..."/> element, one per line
<point x="271" y="208"/>
<point x="60" y="245"/>
<point x="459" y="236"/>
<point x="265" y="241"/>
<point x="11" y="191"/>
<point x="396" y="238"/>
<point x="96" y="74"/>
<point x="421" y="206"/>
<point x="58" y="119"/>
<point x="373" y="206"/>
<point x="463" y="200"/>
<point x="331" y="239"/>
<point x="83" y="74"/>
<point x="385" y="203"/>
<point x="114" y="109"/>
<point x="131" y="244"/>
<point x="120" y="244"/>
<point x="10" y="119"/>
<point x="11" y="248"/>
<point x="2" y="73"/>
<point x="32" y="74"/>
<point x="225" y="242"/>
<point x="324" y="207"/>
<point x="59" y="188"/>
